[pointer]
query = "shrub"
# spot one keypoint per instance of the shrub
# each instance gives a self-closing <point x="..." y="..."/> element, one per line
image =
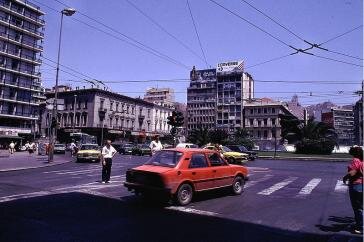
<point x="309" y="146"/>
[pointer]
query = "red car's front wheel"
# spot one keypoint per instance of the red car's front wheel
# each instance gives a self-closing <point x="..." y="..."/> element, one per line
<point x="184" y="194"/>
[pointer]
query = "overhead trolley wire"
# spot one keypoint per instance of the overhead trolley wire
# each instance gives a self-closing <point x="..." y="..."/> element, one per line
<point x="198" y="36"/>
<point x="164" y="29"/>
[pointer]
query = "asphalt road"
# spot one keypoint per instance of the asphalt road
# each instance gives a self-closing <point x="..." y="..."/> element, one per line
<point x="282" y="201"/>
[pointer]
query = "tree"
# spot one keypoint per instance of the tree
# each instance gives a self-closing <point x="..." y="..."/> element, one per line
<point x="311" y="138"/>
<point x="218" y="136"/>
<point x="199" y="136"/>
<point x="242" y="137"/>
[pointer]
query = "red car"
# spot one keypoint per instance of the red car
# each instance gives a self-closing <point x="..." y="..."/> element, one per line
<point x="179" y="173"/>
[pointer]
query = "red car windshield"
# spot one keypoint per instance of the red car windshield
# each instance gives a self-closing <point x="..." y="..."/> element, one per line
<point x="165" y="158"/>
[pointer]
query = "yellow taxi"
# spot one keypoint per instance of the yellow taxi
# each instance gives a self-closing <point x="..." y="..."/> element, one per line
<point x="231" y="156"/>
<point x="89" y="152"/>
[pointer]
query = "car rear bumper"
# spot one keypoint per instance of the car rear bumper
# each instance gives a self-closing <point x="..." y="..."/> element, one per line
<point x="93" y="159"/>
<point x="148" y="189"/>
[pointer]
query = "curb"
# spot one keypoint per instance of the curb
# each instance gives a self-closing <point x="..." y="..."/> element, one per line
<point x="304" y="158"/>
<point x="34" y="167"/>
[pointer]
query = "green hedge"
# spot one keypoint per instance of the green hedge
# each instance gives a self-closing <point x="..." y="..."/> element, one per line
<point x="322" y="146"/>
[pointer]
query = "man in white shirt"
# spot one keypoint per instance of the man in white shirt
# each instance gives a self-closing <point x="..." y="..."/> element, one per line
<point x="155" y="145"/>
<point x="108" y="153"/>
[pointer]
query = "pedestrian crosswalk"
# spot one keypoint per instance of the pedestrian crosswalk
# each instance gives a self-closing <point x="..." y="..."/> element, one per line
<point x="260" y="184"/>
<point x="293" y="186"/>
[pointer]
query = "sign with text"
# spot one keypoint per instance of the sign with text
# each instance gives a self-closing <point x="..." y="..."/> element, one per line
<point x="230" y="66"/>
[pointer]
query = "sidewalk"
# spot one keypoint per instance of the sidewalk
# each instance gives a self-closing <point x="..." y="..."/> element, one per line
<point x="22" y="160"/>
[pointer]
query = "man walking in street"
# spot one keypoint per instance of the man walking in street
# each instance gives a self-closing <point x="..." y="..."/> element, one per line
<point x="156" y="145"/>
<point x="12" y="147"/>
<point x="108" y="153"/>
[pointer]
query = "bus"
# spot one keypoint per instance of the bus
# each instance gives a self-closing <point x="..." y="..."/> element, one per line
<point x="83" y="138"/>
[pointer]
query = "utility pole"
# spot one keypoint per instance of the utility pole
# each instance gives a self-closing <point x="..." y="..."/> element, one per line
<point x="74" y="114"/>
<point x="53" y="126"/>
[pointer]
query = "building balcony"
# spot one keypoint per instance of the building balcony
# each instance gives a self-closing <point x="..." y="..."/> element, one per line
<point x="22" y="14"/>
<point x="30" y="5"/>
<point x="19" y="27"/>
<point x="14" y="114"/>
<point x="17" y="55"/>
<point x="16" y="85"/>
<point x="18" y="41"/>
<point x="21" y="72"/>
<point x="14" y="99"/>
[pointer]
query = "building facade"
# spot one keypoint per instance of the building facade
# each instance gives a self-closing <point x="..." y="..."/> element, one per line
<point x="262" y="121"/>
<point x="201" y="99"/>
<point x="21" y="35"/>
<point x="234" y="88"/>
<point x="358" y="122"/>
<point x="342" y="120"/>
<point x="93" y="111"/>
<point x="160" y="96"/>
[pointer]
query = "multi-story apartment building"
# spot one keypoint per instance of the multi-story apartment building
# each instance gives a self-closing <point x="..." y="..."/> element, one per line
<point x="93" y="110"/>
<point x="358" y="122"/>
<point x="262" y="121"/>
<point x="234" y="87"/>
<point x="21" y="35"/>
<point x="342" y="120"/>
<point x="160" y="96"/>
<point x="201" y="99"/>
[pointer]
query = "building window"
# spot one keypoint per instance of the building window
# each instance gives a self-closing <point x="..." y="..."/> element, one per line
<point x="111" y="106"/>
<point x="127" y="109"/>
<point x="148" y="115"/>
<point x="265" y="134"/>
<point x="117" y="107"/>
<point x="85" y="104"/>
<point x="102" y="103"/>
<point x="273" y="121"/>
<point x="110" y="122"/>
<point x="273" y="110"/>
<point x="265" y="122"/>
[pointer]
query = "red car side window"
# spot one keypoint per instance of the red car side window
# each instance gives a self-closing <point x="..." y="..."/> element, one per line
<point x="198" y="161"/>
<point x="216" y="160"/>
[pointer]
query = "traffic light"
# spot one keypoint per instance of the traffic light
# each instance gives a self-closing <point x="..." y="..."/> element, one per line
<point x="172" y="119"/>
<point x="179" y="119"/>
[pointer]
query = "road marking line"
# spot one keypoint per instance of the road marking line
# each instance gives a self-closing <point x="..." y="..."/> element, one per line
<point x="192" y="210"/>
<point x="340" y="186"/>
<point x="306" y="190"/>
<point x="257" y="169"/>
<point x="277" y="186"/>
<point x="252" y="183"/>
<point x="23" y="195"/>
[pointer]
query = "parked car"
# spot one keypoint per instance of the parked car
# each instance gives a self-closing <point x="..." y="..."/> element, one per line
<point x="89" y="152"/>
<point x="231" y="156"/>
<point x="126" y="149"/>
<point x="141" y="149"/>
<point x="180" y="173"/>
<point x="59" y="149"/>
<point x="242" y="149"/>
<point x="186" y="145"/>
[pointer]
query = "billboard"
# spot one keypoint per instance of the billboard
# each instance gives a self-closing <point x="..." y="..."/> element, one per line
<point x="208" y="74"/>
<point x="230" y="66"/>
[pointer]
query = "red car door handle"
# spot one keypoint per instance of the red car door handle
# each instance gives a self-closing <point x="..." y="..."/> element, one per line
<point x="193" y="173"/>
<point x="213" y="170"/>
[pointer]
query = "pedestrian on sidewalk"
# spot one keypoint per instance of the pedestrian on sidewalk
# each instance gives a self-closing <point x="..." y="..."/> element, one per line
<point x="156" y="145"/>
<point x="355" y="178"/>
<point x="12" y="147"/>
<point x="108" y="152"/>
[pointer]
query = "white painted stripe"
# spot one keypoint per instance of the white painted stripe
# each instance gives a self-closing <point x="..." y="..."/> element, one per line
<point x="277" y="186"/>
<point x="23" y="195"/>
<point x="252" y="183"/>
<point x="306" y="190"/>
<point x="257" y="169"/>
<point x="192" y="210"/>
<point x="340" y="186"/>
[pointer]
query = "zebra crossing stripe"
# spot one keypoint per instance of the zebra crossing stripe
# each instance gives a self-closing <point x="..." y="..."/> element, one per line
<point x="252" y="183"/>
<point x="306" y="190"/>
<point x="277" y="186"/>
<point x="340" y="186"/>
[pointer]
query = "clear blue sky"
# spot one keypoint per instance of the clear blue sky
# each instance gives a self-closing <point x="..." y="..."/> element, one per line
<point x="223" y="37"/>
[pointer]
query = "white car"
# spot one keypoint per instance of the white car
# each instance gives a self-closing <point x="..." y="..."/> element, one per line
<point x="186" y="145"/>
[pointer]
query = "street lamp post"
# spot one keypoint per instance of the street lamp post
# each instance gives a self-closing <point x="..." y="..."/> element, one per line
<point x="53" y="135"/>
<point x="74" y="114"/>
